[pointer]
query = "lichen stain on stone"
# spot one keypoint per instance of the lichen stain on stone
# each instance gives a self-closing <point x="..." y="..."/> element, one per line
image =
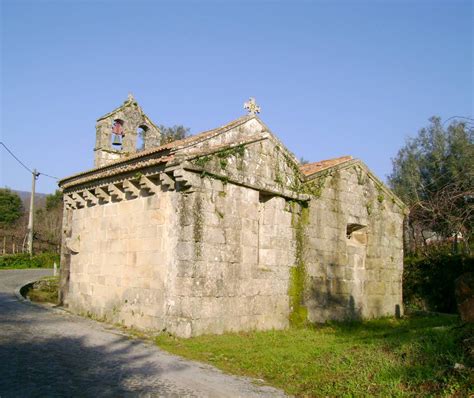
<point x="297" y="283"/>
<point x="197" y="227"/>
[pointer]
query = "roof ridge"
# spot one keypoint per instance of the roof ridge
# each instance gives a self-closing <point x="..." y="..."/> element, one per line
<point x="314" y="167"/>
<point x="178" y="144"/>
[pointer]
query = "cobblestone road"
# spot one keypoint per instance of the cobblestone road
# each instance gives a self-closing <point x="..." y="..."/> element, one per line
<point x="46" y="353"/>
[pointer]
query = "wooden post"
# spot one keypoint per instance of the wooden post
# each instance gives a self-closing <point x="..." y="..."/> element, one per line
<point x="32" y="213"/>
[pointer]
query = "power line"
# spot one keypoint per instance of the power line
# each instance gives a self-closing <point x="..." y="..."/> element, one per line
<point x="24" y="165"/>
<point x="46" y="175"/>
<point x="18" y="160"/>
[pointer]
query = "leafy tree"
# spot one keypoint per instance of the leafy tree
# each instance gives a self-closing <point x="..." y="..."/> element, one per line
<point x="54" y="200"/>
<point x="170" y="134"/>
<point x="434" y="175"/>
<point x="11" y="207"/>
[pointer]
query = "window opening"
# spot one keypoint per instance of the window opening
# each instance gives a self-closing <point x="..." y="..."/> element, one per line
<point x="141" y="132"/>
<point x="117" y="134"/>
<point x="357" y="233"/>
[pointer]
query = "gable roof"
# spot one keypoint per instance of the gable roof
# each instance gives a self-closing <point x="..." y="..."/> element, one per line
<point x="311" y="171"/>
<point x="312" y="168"/>
<point x="129" y="101"/>
<point x="162" y="152"/>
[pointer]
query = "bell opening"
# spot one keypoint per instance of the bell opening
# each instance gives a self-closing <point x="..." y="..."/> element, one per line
<point x="117" y="141"/>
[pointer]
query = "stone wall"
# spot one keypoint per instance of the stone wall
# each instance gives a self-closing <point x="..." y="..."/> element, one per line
<point x="232" y="263"/>
<point x="353" y="248"/>
<point x="223" y="234"/>
<point x="121" y="254"/>
<point x="263" y="164"/>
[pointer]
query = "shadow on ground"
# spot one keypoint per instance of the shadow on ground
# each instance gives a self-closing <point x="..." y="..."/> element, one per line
<point x="40" y="357"/>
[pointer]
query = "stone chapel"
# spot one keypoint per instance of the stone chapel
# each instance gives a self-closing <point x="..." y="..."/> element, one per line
<point x="225" y="231"/>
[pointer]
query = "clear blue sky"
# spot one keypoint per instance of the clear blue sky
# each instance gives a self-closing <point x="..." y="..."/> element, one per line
<point x="332" y="78"/>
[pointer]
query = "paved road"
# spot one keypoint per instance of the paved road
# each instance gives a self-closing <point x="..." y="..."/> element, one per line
<point x="45" y="353"/>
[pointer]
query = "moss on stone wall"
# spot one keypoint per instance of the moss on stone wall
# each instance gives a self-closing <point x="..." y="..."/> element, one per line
<point x="298" y="311"/>
<point x="223" y="157"/>
<point x="314" y="187"/>
<point x="202" y="161"/>
<point x="197" y="226"/>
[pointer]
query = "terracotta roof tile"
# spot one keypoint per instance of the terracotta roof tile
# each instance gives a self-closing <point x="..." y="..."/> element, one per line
<point x="311" y="168"/>
<point x="162" y="148"/>
<point x="115" y="171"/>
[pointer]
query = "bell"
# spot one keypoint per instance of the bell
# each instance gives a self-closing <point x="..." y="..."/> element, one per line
<point x="116" y="141"/>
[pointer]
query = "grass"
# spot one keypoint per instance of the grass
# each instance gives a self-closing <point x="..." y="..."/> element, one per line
<point x="409" y="357"/>
<point x="387" y="357"/>
<point x="23" y="261"/>
<point x="45" y="290"/>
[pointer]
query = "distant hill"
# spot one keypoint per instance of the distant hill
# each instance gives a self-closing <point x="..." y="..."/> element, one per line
<point x="40" y="199"/>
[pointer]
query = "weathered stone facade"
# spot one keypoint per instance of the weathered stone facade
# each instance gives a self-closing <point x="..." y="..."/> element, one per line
<point x="225" y="231"/>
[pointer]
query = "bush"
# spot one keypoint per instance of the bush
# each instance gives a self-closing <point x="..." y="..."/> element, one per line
<point x="23" y="260"/>
<point x="428" y="282"/>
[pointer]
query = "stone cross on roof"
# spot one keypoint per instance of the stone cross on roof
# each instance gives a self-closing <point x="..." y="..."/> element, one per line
<point x="252" y="106"/>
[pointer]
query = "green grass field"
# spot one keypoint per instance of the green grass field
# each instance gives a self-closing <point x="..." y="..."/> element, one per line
<point x="414" y="356"/>
<point x="23" y="261"/>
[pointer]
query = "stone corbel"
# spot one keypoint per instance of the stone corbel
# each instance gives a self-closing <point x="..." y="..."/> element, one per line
<point x="102" y="194"/>
<point x="166" y="181"/>
<point x="69" y="202"/>
<point x="73" y="244"/>
<point x="116" y="193"/>
<point x="78" y="200"/>
<point x="131" y="189"/>
<point x="183" y="177"/>
<point x="149" y="185"/>
<point x="90" y="198"/>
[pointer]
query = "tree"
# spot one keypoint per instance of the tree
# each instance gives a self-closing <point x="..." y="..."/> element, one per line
<point x="11" y="207"/>
<point x="49" y="220"/>
<point x="434" y="175"/>
<point x="170" y="134"/>
<point x="54" y="200"/>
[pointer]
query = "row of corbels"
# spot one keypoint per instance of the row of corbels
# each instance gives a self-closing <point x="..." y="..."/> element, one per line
<point x="116" y="192"/>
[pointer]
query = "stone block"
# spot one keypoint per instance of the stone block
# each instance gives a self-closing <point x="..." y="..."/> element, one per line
<point x="249" y="255"/>
<point x="335" y="271"/>
<point x="144" y="244"/>
<point x="375" y="288"/>
<point x="214" y="236"/>
<point x="111" y="210"/>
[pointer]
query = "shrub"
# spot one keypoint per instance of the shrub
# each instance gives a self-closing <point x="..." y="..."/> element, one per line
<point x="428" y="282"/>
<point x="23" y="260"/>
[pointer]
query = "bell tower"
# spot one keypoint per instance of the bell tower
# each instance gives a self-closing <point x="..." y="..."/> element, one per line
<point x="124" y="131"/>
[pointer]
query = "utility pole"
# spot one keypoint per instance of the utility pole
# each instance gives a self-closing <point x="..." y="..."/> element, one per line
<point x="35" y="175"/>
